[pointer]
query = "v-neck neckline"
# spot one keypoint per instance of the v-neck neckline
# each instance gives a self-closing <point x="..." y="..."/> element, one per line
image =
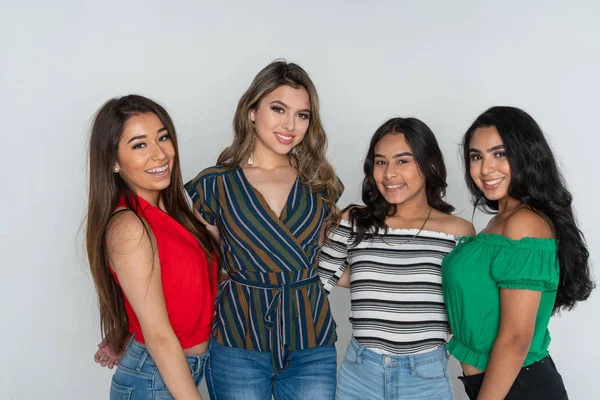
<point x="261" y="199"/>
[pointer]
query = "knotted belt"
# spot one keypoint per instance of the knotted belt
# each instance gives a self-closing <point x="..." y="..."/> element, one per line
<point x="277" y="319"/>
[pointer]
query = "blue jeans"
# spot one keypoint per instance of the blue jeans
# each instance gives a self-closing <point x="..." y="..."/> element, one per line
<point x="238" y="374"/>
<point x="366" y="374"/>
<point x="137" y="377"/>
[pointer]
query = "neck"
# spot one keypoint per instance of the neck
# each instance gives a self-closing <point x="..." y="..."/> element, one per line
<point x="152" y="198"/>
<point x="267" y="159"/>
<point x="507" y="204"/>
<point x="413" y="209"/>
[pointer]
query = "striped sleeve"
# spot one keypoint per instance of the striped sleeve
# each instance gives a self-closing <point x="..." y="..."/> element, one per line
<point x="201" y="190"/>
<point x="333" y="258"/>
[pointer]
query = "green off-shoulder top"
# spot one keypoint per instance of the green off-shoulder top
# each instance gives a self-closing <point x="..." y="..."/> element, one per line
<point x="472" y="275"/>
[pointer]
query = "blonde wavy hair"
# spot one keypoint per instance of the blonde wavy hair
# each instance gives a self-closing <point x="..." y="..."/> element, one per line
<point x="309" y="156"/>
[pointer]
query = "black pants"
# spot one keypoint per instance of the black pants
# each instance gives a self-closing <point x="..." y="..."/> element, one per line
<point x="539" y="380"/>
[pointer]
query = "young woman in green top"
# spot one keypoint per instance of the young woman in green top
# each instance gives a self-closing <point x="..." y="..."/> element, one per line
<point x="502" y="286"/>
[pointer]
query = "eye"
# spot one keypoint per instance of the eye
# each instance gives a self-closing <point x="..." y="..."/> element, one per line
<point x="164" y="137"/>
<point x="140" y="145"/>
<point x="278" y="110"/>
<point x="500" y="154"/>
<point x="475" y="157"/>
<point x="402" y="161"/>
<point x="379" y="162"/>
<point x="304" y="116"/>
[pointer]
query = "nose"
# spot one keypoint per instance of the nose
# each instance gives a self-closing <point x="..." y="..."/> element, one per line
<point x="288" y="123"/>
<point x="488" y="165"/>
<point x="390" y="171"/>
<point x="158" y="153"/>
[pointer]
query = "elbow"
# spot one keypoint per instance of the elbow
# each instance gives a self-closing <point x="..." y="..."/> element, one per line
<point x="517" y="343"/>
<point x="159" y="341"/>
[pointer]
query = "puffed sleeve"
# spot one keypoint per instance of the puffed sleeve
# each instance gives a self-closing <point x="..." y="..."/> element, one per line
<point x="203" y="192"/>
<point x="529" y="263"/>
<point x="333" y="258"/>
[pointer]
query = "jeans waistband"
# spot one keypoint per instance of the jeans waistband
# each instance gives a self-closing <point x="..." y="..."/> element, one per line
<point x="139" y="352"/>
<point x="397" y="361"/>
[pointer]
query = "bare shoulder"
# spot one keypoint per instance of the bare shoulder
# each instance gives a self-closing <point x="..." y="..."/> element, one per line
<point x="126" y="231"/>
<point x="526" y="223"/>
<point x="452" y="224"/>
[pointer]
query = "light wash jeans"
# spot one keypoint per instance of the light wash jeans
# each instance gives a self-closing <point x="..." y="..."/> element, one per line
<point x="137" y="377"/>
<point x="239" y="374"/>
<point x="366" y="375"/>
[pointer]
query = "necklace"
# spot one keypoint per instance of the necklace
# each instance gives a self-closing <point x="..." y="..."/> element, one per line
<point x="411" y="238"/>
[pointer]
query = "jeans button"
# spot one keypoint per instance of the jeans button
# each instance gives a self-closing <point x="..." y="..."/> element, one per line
<point x="388" y="360"/>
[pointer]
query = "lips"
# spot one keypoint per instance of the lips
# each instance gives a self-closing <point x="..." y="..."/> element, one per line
<point x="395" y="187"/>
<point x="492" y="183"/>
<point x="159" y="171"/>
<point x="285" y="139"/>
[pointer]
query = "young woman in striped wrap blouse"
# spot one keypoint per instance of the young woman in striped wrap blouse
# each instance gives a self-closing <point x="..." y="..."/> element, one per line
<point x="269" y="198"/>
<point x="389" y="253"/>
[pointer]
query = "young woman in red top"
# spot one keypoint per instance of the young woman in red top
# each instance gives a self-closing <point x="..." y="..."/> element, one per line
<point x="152" y="262"/>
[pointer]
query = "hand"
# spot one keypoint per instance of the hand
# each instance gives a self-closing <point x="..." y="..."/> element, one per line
<point x="106" y="356"/>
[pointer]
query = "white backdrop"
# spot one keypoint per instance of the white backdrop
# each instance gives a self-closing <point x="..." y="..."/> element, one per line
<point x="443" y="62"/>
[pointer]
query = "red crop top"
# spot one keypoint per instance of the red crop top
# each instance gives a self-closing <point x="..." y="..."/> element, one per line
<point x="189" y="296"/>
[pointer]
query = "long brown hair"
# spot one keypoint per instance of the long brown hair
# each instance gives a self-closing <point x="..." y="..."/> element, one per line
<point x="105" y="190"/>
<point x="309" y="156"/>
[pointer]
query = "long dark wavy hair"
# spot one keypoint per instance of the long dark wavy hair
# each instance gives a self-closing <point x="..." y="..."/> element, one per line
<point x="105" y="190"/>
<point x="537" y="182"/>
<point x="369" y="218"/>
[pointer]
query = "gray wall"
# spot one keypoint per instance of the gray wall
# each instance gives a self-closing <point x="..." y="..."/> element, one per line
<point x="443" y="62"/>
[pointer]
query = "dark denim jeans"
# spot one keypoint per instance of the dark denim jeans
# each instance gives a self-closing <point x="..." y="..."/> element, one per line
<point x="137" y="377"/>
<point x="238" y="374"/>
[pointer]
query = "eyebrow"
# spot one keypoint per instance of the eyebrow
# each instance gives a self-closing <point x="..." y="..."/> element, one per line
<point x="286" y="106"/>
<point x="498" y="147"/>
<point x="405" y="154"/>
<point x="144" y="136"/>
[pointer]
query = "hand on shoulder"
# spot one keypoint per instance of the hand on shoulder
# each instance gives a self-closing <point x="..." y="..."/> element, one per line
<point x="526" y="223"/>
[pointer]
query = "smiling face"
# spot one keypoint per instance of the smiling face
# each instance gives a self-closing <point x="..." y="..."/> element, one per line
<point x="396" y="172"/>
<point x="145" y="156"/>
<point x="281" y="119"/>
<point x="488" y="165"/>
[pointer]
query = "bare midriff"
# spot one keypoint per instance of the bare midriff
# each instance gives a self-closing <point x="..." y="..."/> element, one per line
<point x="197" y="350"/>
<point x="470" y="370"/>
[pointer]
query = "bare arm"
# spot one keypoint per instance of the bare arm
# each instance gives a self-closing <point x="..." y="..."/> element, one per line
<point x="518" y="310"/>
<point x="344" y="280"/>
<point x="134" y="258"/>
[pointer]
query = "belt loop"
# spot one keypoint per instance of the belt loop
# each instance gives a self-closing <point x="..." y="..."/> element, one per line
<point x="411" y="360"/>
<point x="142" y="359"/>
<point x="359" y="352"/>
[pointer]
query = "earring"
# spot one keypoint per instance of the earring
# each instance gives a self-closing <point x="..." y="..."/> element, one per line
<point x="115" y="169"/>
<point x="251" y="158"/>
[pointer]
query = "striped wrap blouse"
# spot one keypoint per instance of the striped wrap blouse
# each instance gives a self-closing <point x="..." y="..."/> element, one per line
<point x="272" y="299"/>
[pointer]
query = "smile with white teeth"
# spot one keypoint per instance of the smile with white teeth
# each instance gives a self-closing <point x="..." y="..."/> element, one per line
<point x="158" y="170"/>
<point x="493" y="181"/>
<point x="284" y="137"/>
<point x="395" y="186"/>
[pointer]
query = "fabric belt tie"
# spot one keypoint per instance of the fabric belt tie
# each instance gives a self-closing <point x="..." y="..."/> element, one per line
<point x="277" y="319"/>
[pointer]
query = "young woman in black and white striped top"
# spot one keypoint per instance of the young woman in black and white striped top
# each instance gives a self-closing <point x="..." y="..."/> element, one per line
<point x="389" y="253"/>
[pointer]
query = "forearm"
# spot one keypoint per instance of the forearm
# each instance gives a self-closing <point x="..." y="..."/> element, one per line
<point x="506" y="360"/>
<point x="168" y="355"/>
